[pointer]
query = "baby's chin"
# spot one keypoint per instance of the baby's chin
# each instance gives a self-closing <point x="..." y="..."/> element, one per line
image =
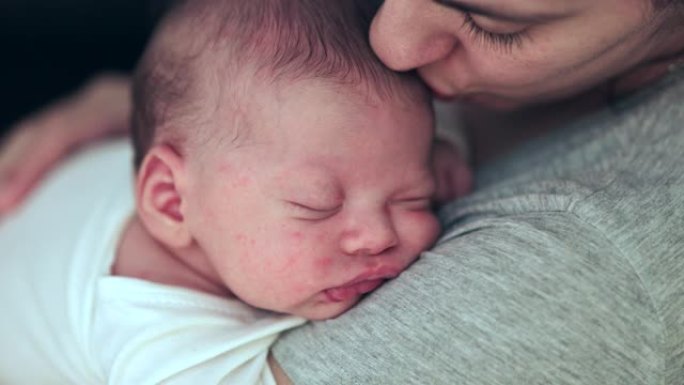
<point x="333" y="302"/>
<point x="325" y="310"/>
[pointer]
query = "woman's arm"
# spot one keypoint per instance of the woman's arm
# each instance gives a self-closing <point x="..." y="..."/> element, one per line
<point x="36" y="144"/>
<point x="278" y="372"/>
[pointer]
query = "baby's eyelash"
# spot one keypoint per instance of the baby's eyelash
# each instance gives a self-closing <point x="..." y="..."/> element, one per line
<point x="504" y="41"/>
<point x="306" y="212"/>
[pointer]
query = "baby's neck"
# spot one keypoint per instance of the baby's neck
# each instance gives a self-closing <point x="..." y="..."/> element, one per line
<point x="140" y="256"/>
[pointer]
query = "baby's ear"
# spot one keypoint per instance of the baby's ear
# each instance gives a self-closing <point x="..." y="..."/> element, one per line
<point x="452" y="171"/>
<point x="159" y="193"/>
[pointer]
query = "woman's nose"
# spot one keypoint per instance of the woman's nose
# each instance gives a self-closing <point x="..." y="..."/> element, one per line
<point x="405" y="36"/>
<point x="369" y="236"/>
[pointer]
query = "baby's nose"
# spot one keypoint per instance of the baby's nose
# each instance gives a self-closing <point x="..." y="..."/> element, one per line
<point x="370" y="236"/>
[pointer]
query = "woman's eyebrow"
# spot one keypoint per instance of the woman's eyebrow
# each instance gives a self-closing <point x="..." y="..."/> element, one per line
<point x="493" y="13"/>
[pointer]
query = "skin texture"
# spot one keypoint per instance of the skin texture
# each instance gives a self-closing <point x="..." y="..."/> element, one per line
<point x="326" y="196"/>
<point x="590" y="43"/>
<point x="559" y="48"/>
<point x="607" y="45"/>
<point x="585" y="45"/>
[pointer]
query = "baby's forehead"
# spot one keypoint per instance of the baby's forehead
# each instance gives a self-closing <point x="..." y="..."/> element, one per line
<point x="244" y="101"/>
<point x="251" y="104"/>
<point x="334" y="183"/>
<point x="237" y="90"/>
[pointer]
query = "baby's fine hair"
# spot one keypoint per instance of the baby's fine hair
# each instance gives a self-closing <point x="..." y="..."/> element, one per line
<point x="275" y="39"/>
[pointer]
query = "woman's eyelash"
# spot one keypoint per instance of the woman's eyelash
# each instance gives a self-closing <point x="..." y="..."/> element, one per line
<point x="505" y="41"/>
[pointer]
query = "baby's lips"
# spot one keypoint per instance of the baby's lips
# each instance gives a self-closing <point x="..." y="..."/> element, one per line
<point x="347" y="292"/>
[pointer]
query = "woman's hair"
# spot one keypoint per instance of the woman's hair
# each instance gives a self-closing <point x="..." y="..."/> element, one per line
<point x="674" y="8"/>
<point x="217" y="44"/>
<point x="667" y="3"/>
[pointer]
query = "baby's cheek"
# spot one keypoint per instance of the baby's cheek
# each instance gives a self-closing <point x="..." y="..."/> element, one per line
<point x="296" y="237"/>
<point x="432" y="231"/>
<point x="289" y="252"/>
<point x="307" y="254"/>
<point x="423" y="230"/>
<point x="244" y="241"/>
<point x="325" y="263"/>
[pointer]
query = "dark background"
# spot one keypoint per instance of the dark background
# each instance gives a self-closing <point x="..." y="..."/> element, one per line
<point x="50" y="47"/>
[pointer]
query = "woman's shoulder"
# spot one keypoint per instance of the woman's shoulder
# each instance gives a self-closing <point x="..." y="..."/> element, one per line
<point x="618" y="173"/>
<point x="631" y="126"/>
<point x="599" y="204"/>
<point x="614" y="178"/>
<point x="622" y="163"/>
<point x="496" y="292"/>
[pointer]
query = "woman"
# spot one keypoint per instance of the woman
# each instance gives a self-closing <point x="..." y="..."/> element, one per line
<point x="566" y="264"/>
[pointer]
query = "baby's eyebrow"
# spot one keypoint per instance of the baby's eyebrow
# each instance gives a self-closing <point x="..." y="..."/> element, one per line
<point x="425" y="184"/>
<point x="320" y="184"/>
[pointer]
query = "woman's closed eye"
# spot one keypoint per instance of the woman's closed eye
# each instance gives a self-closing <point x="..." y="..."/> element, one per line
<point x="502" y="40"/>
<point x="484" y="26"/>
<point x="312" y="212"/>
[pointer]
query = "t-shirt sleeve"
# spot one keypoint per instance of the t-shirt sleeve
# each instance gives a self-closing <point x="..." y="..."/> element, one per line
<point x="535" y="299"/>
<point x="150" y="334"/>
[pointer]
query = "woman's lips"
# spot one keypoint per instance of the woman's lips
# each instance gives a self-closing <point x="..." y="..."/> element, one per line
<point x="352" y="290"/>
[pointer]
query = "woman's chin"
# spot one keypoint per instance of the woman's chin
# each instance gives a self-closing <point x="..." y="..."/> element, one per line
<point x="480" y="99"/>
<point x="483" y="100"/>
<point x="497" y="103"/>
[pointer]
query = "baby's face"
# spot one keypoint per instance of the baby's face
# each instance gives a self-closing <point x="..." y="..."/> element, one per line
<point x="327" y="199"/>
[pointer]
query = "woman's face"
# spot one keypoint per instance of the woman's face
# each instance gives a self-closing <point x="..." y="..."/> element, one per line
<point x="506" y="53"/>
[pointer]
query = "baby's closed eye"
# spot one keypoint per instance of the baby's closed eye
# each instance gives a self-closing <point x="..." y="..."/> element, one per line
<point x="415" y="203"/>
<point x="311" y="211"/>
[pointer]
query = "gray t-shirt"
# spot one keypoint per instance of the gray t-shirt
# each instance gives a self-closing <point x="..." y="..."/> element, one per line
<point x="566" y="266"/>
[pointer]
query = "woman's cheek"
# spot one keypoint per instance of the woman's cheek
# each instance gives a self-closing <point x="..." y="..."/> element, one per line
<point x="496" y="65"/>
<point x="492" y="70"/>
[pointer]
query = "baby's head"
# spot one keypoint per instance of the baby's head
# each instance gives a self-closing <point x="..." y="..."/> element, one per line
<point x="277" y="157"/>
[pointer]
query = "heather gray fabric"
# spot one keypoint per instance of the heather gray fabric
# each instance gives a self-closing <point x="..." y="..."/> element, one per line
<point x="565" y="267"/>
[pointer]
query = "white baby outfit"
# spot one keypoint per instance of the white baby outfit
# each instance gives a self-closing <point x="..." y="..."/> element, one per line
<point x="65" y="320"/>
